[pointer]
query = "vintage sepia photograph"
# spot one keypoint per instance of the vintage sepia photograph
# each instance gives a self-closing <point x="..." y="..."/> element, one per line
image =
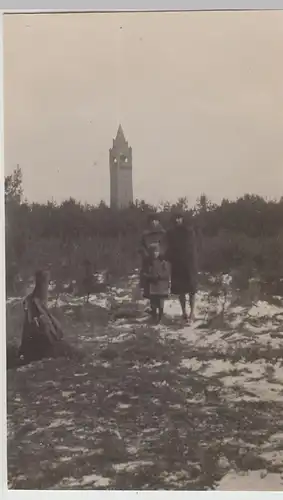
<point x="143" y="160"/>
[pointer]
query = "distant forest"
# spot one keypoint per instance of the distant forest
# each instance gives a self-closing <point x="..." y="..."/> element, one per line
<point x="243" y="236"/>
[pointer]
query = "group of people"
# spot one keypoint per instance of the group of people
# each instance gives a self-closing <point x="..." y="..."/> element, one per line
<point x="169" y="265"/>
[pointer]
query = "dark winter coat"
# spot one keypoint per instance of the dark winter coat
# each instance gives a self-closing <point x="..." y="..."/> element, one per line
<point x="150" y="236"/>
<point x="42" y="332"/>
<point x="158" y="277"/>
<point x="182" y="255"/>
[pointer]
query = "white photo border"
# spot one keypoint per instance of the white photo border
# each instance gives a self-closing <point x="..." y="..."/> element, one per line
<point x="37" y="6"/>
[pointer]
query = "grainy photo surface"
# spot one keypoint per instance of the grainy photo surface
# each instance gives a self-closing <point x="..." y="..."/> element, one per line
<point x="144" y="250"/>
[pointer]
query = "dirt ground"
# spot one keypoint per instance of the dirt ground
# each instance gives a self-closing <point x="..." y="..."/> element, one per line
<point x="168" y="407"/>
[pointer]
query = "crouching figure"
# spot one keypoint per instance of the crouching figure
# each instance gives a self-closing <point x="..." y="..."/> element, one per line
<point x="42" y="335"/>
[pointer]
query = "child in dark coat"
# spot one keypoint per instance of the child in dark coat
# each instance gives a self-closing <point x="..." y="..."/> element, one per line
<point x="158" y="276"/>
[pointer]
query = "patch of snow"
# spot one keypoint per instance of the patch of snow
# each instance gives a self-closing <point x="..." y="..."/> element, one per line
<point x="156" y="364"/>
<point x="263" y="308"/>
<point x="99" y="300"/>
<point x="160" y="384"/>
<point x="278" y="436"/>
<point x="248" y="371"/>
<point x="121" y="338"/>
<point x="62" y="412"/>
<point x="216" y="366"/>
<point x="97" y="481"/>
<point x="74" y="449"/>
<point x="13" y="300"/>
<point x="251" y="481"/>
<point x="192" y="364"/>
<point x="188" y="334"/>
<point x="132" y="450"/>
<point x="174" y="478"/>
<point x="172" y="307"/>
<point x="198" y="399"/>
<point x="58" y="303"/>
<point x="274" y="457"/>
<point x="258" y="389"/>
<point x="60" y="421"/>
<point x="67" y="394"/>
<point x="226" y="279"/>
<point x="100" y="276"/>
<point x="131" y="466"/>
<point x="237" y="310"/>
<point x="101" y="338"/>
<point x="66" y="459"/>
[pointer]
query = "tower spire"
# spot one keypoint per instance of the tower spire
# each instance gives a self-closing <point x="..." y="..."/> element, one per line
<point x="120" y="162"/>
<point x="120" y="137"/>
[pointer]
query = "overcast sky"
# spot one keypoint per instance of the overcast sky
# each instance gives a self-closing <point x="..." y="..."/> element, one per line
<point x="199" y="96"/>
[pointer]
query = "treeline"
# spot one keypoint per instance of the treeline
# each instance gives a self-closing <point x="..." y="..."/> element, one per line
<point x="244" y="235"/>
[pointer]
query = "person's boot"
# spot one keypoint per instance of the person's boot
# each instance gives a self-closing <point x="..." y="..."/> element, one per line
<point x="182" y="299"/>
<point x="192" y="317"/>
<point x="192" y="306"/>
<point x="185" y="316"/>
<point x="154" y="314"/>
<point x="160" y="315"/>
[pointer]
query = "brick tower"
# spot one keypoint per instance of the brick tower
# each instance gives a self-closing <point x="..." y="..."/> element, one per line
<point x="121" y="175"/>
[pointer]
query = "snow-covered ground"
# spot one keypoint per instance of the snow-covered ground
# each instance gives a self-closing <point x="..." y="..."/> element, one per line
<point x="241" y="328"/>
<point x="262" y="380"/>
<point x="257" y="480"/>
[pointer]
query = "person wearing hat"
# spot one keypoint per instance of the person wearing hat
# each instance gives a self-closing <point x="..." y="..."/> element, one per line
<point x="182" y="255"/>
<point x="154" y="233"/>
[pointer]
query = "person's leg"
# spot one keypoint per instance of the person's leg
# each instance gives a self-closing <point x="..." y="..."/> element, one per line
<point x="153" y="306"/>
<point x="161" y="309"/>
<point x="182" y="299"/>
<point x="144" y="285"/>
<point x="148" y="309"/>
<point x="192" y="305"/>
<point x="146" y="295"/>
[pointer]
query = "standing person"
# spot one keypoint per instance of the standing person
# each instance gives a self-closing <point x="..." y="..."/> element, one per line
<point x="154" y="233"/>
<point x="158" y="275"/>
<point x="182" y="255"/>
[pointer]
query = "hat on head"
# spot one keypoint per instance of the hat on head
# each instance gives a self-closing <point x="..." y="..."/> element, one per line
<point x="152" y="216"/>
<point x="177" y="214"/>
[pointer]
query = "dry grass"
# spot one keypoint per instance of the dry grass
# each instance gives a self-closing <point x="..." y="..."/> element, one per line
<point x="124" y="417"/>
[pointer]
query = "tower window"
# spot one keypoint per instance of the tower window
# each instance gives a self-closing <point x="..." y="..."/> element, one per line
<point x="124" y="158"/>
